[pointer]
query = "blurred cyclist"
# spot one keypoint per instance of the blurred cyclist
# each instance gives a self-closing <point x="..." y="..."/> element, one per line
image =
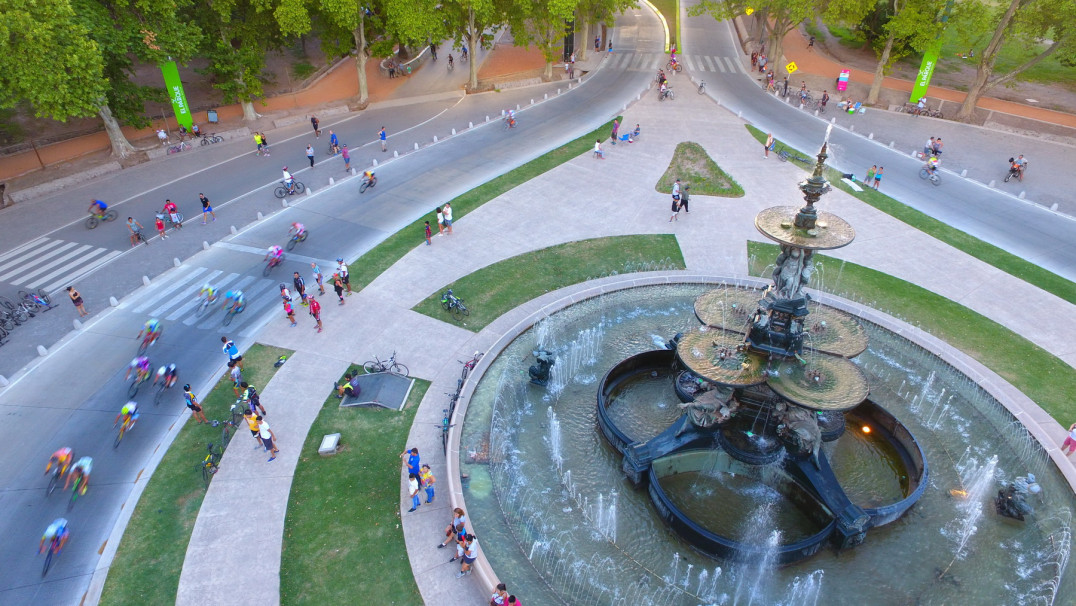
<point x="81" y="469"/>
<point x="140" y="366"/>
<point x="62" y="459"/>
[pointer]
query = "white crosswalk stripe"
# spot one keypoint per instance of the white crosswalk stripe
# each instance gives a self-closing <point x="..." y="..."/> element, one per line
<point x="50" y="264"/>
<point x="191" y="293"/>
<point x="710" y="63"/>
<point x="176" y="282"/>
<point x="691" y="63"/>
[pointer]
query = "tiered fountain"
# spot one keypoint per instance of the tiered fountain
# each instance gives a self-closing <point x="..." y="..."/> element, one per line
<point x="762" y="391"/>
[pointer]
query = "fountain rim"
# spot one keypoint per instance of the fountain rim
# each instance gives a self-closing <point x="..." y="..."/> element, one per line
<point x="500" y="333"/>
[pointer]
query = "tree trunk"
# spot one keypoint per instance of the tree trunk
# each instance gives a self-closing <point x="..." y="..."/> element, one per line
<point x="472" y="49"/>
<point x="986" y="63"/>
<point x="121" y="147"/>
<point x="582" y="35"/>
<point x="360" y="59"/>
<point x="249" y="114"/>
<point x="879" y="70"/>
<point x="758" y="32"/>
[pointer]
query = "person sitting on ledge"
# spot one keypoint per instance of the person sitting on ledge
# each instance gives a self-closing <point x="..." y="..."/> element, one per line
<point x="350" y="386"/>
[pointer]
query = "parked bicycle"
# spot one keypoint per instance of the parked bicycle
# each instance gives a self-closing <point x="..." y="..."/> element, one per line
<point x="96" y="219"/>
<point x="211" y="463"/>
<point x="182" y="146"/>
<point x="283" y="190"/>
<point x="211" y="138"/>
<point x="453" y="304"/>
<point x="37" y="300"/>
<point x="445" y="425"/>
<point x="391" y="365"/>
<point x="785" y="156"/>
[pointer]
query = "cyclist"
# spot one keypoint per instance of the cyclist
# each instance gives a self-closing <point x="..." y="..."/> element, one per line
<point x="167" y="375"/>
<point x="510" y="118"/>
<point x="368" y="176"/>
<point x="152" y="330"/>
<point x="56" y="533"/>
<point x="237" y="300"/>
<point x="81" y="469"/>
<point x="450" y="64"/>
<point x="98" y="207"/>
<point x="334" y="142"/>
<point x="664" y="90"/>
<point x="932" y="165"/>
<point x="661" y="77"/>
<point x="62" y="459"/>
<point x="1019" y="165"/>
<point x="140" y="366"/>
<point x="297" y="230"/>
<point x="275" y="254"/>
<point x="463" y="54"/>
<point x="208" y="292"/>
<point x="129" y="414"/>
<point x="289" y="181"/>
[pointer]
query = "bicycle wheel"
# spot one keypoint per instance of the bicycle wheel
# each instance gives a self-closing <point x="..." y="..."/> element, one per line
<point x="92" y="222"/>
<point x="110" y="215"/>
<point x="54" y="481"/>
<point x="226" y="435"/>
<point x="208" y="469"/>
<point x="6" y="323"/>
<point x="5" y="302"/>
<point x="228" y="317"/>
<point x="924" y="173"/>
<point x="205" y="141"/>
<point x="29" y="299"/>
<point x="935" y="179"/>
<point x="119" y="436"/>
<point x="445" y="305"/>
<point x="457" y="312"/>
<point x="365" y="185"/>
<point x="463" y="309"/>
<point x="48" y="562"/>
<point x="702" y="89"/>
<point x="398" y="369"/>
<point x="280" y="191"/>
<point x="291" y="244"/>
<point x="74" y="494"/>
<point x="372" y="367"/>
<point x="44" y="296"/>
<point x="19" y="315"/>
<point x="268" y="268"/>
<point x="299" y="187"/>
<point x="157" y="397"/>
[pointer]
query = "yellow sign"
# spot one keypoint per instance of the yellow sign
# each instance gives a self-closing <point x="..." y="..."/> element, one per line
<point x="749" y="11"/>
<point x="791" y="67"/>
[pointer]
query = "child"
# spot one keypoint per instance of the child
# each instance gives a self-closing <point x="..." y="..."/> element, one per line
<point x="289" y="312"/>
<point x="160" y="227"/>
<point x="428" y="481"/>
<point x="428" y="233"/>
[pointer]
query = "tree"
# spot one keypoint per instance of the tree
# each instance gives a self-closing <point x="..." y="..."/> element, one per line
<point x="542" y="23"/>
<point x="1040" y="27"/>
<point x="467" y="20"/>
<point x="595" y="11"/>
<point x="349" y="24"/>
<point x="785" y="16"/>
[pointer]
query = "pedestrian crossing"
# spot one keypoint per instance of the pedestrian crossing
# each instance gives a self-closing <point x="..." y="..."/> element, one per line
<point x="643" y="62"/>
<point x="51" y="264"/>
<point x="174" y="298"/>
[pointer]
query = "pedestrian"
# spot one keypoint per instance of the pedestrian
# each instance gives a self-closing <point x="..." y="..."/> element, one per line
<point x="470" y="551"/>
<point x="345" y="153"/>
<point x="317" y="126"/>
<point x="754" y="59"/>
<point x="1070" y="441"/>
<point x="456" y="529"/>
<point x="268" y="437"/>
<point x="251" y="398"/>
<point x="412" y="462"/>
<point x="384" y="139"/>
<point x="207" y="210"/>
<point x="334" y="142"/>
<point x="236" y="375"/>
<point x="284" y="292"/>
<point x="786" y="85"/>
<point x="597" y="43"/>
<point x="315" y="311"/>
<point x="159" y="222"/>
<point x="76" y="300"/>
<point x="938" y="147"/>
<point x="870" y="174"/>
<point x="318" y="277"/>
<point x="610" y="47"/>
<point x="310" y="155"/>
<point x="761" y="63"/>
<point x="440" y="222"/>
<point x="338" y="286"/>
<point x="768" y="145"/>
<point x="675" y="209"/>
<point x="616" y="127"/>
<point x="683" y="199"/>
<point x="288" y="311"/>
<point x="429" y="233"/>
<point x="810" y="44"/>
<point x="572" y="60"/>
<point x="341" y="268"/>
<point x="265" y="143"/>
<point x="300" y="287"/>
<point x="232" y="351"/>
<point x="446" y="210"/>
<point x="252" y="424"/>
<point x="500" y="595"/>
<point x="825" y="98"/>
<point x="878" y="176"/>
<point x="427" y="481"/>
<point x="928" y="147"/>
<point x="193" y="405"/>
<point x="258" y="142"/>
<point x="598" y="153"/>
<point x="412" y="491"/>
<point x="512" y="601"/>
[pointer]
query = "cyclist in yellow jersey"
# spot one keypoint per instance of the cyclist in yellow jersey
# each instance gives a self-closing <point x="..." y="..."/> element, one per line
<point x="129" y="414"/>
<point x="62" y="459"/>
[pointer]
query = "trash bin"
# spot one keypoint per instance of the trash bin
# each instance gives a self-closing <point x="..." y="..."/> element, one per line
<point x="212" y="114"/>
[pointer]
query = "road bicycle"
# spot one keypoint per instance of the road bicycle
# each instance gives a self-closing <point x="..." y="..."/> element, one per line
<point x="140" y="237"/>
<point x="807" y="99"/>
<point x="236" y="410"/>
<point x="96" y="219"/>
<point x="126" y="426"/>
<point x="54" y="479"/>
<point x="675" y="67"/>
<point x="159" y="394"/>
<point x="367" y="183"/>
<point x="139" y="379"/>
<point x="3" y="335"/>
<point x="227" y="429"/>
<point x="271" y="264"/>
<point x="925" y="173"/>
<point x="183" y="146"/>
<point x="9" y="318"/>
<point x="702" y="87"/>
<point x="211" y="463"/>
<point x="232" y="312"/>
<point x="79" y="483"/>
<point x="469" y="365"/>
<point x="297" y="238"/>
<point x="283" y="190"/>
<point x="55" y="547"/>
<point x="453" y="304"/>
<point x="820" y="106"/>
<point x="211" y="138"/>
<point x="391" y="365"/>
<point x="38" y="301"/>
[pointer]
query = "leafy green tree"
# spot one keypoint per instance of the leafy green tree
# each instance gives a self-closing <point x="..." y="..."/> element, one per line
<point x="784" y="16"/>
<point x="596" y="11"/>
<point x="542" y="23"/>
<point x="467" y="20"/>
<point x="348" y="25"/>
<point x="1040" y="28"/>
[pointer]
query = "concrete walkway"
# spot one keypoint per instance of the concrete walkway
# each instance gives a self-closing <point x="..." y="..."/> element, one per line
<point x="584" y="198"/>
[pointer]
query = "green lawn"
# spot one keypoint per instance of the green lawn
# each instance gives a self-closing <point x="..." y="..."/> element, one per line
<point x="691" y="164"/>
<point x="376" y="261"/>
<point x="342" y="538"/>
<point x="1043" y="377"/>
<point x="987" y="253"/>
<point x="502" y="286"/>
<point x="150" y="557"/>
<point x="670" y="9"/>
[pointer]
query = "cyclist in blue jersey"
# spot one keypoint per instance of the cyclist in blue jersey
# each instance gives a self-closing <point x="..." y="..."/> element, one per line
<point x="234" y="300"/>
<point x="98" y="208"/>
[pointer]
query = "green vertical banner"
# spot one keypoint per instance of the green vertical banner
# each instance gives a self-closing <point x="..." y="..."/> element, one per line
<point x="174" y="86"/>
<point x="926" y="70"/>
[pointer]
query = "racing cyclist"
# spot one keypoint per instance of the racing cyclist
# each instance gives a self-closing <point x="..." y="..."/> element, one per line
<point x="152" y="329"/>
<point x="368" y="177"/>
<point x="129" y="414"/>
<point x="208" y="292"/>
<point x="167" y="375"/>
<point x="297" y="230"/>
<point x="275" y="254"/>
<point x="81" y="469"/>
<point x="236" y="300"/>
<point x="57" y="531"/>
<point x="932" y="165"/>
<point x="140" y="366"/>
<point x="62" y="459"/>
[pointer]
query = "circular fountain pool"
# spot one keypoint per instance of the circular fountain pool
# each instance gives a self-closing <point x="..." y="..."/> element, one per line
<point x="560" y="523"/>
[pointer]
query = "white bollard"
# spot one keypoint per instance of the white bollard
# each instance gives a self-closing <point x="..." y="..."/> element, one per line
<point x="77" y="324"/>
<point x="502" y="114"/>
<point x="1052" y="207"/>
<point x="354" y="172"/>
<point x="4" y="382"/>
<point x="558" y="91"/>
<point x="546" y="96"/>
<point x="851" y="128"/>
<point x="964" y="173"/>
<point x="453" y="132"/>
<point x="145" y="280"/>
<point x="570" y="86"/>
<point x="470" y="125"/>
<point x="914" y="154"/>
<point x="435" y="138"/>
<point x="331" y="183"/>
<point x="891" y="144"/>
<point x="176" y="262"/>
<point x="205" y="245"/>
<point x="233" y="230"/>
<point x="739" y="114"/>
<point x="284" y="202"/>
<point x="639" y="97"/>
<point x="992" y="183"/>
<point x="113" y="302"/>
<point x="833" y="120"/>
<point x="1022" y="195"/>
<point x="517" y="106"/>
<point x="816" y="113"/>
<point x="395" y="154"/>
<point x="309" y="191"/>
<point x="373" y="162"/>
<point x="870" y="137"/>
<point x="260" y="216"/>
<point x="532" y="101"/>
<point x="41" y="351"/>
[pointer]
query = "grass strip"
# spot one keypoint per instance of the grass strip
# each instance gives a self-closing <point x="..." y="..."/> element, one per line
<point x="670" y="9"/>
<point x="987" y="253"/>
<point x="1040" y="375"/>
<point x="376" y="261"/>
<point x="693" y="166"/>
<point x="150" y="557"/>
<point x="502" y="286"/>
<point x="342" y="534"/>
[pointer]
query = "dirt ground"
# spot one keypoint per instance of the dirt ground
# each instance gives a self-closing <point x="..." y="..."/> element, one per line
<point x="952" y="72"/>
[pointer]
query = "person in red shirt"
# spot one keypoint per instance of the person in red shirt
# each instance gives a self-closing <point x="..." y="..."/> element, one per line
<point x="160" y="227"/>
<point x="315" y="310"/>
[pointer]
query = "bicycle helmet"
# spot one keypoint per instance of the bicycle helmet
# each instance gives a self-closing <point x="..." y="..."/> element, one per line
<point x="339" y="259"/>
<point x="283" y="286"/>
<point x="285" y="168"/>
<point x="187" y="387"/>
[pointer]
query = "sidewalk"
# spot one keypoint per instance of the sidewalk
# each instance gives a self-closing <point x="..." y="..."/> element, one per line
<point x="712" y="238"/>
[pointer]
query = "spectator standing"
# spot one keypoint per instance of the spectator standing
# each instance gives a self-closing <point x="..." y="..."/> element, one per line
<point x="429" y="233"/>
<point x="870" y="174"/>
<point x="412" y="461"/>
<point x="616" y="127"/>
<point x="810" y="44"/>
<point x="1070" y="441"/>
<point x="173" y="214"/>
<point x="683" y="199"/>
<point x="268" y="437"/>
<point x="928" y="148"/>
<point x="675" y="210"/>
<point x="334" y="142"/>
<point x="207" y="210"/>
<point x="446" y="210"/>
<point x="470" y="550"/>
<point x="384" y="139"/>
<point x="258" y="143"/>
<point x="300" y="287"/>
<point x="317" y="126"/>
<point x="232" y="351"/>
<point x="192" y="403"/>
<point x="265" y="143"/>
<point x="159" y="223"/>
<point x="878" y="176"/>
<point x="236" y="375"/>
<point x="440" y="222"/>
<point x="341" y="268"/>
<point x="318" y="277"/>
<point x="288" y="311"/>
<point x="252" y="399"/>
<point x="76" y="300"/>
<point x="135" y="228"/>
<point x="512" y="601"/>
<point x="412" y="491"/>
<point x="252" y="424"/>
<point x="768" y="145"/>
<point x="338" y="286"/>
<point x="310" y="155"/>
<point x="676" y="191"/>
<point x="938" y="147"/>
<point x="500" y="595"/>
<point x="346" y="155"/>
<point x="597" y="43"/>
<point x="427" y="481"/>
<point x="315" y="311"/>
